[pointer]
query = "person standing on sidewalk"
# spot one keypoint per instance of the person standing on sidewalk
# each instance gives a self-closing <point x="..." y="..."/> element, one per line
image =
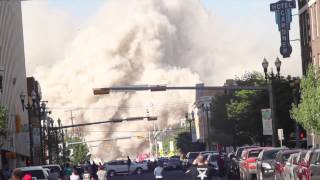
<point x="129" y="164"/>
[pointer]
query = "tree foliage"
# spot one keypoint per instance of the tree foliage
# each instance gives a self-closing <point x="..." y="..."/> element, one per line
<point x="244" y="108"/>
<point x="308" y="111"/>
<point x="184" y="143"/>
<point x="80" y="151"/>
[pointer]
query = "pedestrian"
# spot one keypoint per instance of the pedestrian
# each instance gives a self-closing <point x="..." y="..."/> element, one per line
<point x="158" y="171"/>
<point x="199" y="169"/>
<point x="221" y="164"/>
<point x="17" y="174"/>
<point x="102" y="174"/>
<point x="129" y="164"/>
<point x="75" y="175"/>
<point x="94" y="170"/>
<point x="67" y="171"/>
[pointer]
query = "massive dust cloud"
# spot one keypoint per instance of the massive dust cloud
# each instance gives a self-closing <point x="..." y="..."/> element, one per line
<point x="173" y="42"/>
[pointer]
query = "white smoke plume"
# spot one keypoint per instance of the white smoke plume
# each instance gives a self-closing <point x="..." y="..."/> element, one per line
<point x="174" y="42"/>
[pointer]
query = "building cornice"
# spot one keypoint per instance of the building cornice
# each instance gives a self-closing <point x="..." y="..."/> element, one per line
<point x="305" y="7"/>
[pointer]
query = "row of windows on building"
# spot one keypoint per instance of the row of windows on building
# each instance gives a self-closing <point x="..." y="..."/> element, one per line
<point x="310" y="24"/>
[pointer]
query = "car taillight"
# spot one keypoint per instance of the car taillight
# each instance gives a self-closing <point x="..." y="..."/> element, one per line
<point x="251" y="163"/>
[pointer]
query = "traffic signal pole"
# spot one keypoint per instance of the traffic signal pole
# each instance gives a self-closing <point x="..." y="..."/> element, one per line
<point x="269" y="88"/>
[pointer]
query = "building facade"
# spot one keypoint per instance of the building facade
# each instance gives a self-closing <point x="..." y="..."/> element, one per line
<point x="309" y="21"/>
<point x="202" y="112"/>
<point x="14" y="146"/>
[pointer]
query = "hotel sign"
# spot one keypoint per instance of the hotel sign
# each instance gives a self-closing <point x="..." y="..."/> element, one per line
<point x="283" y="11"/>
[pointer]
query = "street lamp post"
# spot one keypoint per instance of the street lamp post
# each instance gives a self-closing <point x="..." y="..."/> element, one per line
<point x="190" y="121"/>
<point x="29" y="107"/>
<point x="271" y="77"/>
<point x="42" y="111"/>
<point x="206" y="108"/>
<point x="62" y="141"/>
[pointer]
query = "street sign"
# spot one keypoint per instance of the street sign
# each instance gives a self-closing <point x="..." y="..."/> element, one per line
<point x="266" y="121"/>
<point x="283" y="13"/>
<point x="280" y="134"/>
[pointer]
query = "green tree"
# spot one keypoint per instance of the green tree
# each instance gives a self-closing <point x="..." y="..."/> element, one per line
<point x="244" y="108"/>
<point x="308" y="111"/>
<point x="184" y="143"/>
<point x="80" y="151"/>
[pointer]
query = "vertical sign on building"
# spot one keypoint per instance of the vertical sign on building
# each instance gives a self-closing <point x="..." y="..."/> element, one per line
<point x="283" y="11"/>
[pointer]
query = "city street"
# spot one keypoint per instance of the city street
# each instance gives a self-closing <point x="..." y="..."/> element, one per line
<point x="168" y="175"/>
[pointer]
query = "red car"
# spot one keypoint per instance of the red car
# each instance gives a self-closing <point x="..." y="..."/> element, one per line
<point x="248" y="163"/>
<point x="310" y="166"/>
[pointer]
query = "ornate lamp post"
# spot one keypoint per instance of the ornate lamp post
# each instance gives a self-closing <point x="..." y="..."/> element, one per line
<point x="190" y="121"/>
<point x="29" y="107"/>
<point x="206" y="108"/>
<point x="271" y="78"/>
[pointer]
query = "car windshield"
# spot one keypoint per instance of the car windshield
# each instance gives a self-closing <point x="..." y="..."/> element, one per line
<point x="35" y="173"/>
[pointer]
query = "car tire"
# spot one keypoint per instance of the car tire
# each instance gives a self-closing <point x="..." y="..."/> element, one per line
<point x="111" y="173"/>
<point x="139" y="171"/>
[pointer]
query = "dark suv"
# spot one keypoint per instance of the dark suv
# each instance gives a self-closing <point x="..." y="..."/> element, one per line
<point x="266" y="163"/>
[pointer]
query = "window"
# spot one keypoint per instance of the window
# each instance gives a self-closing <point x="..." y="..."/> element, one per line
<point x="317" y="20"/>
<point x="312" y="23"/>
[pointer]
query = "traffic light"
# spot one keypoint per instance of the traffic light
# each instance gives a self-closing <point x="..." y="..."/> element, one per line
<point x="302" y="135"/>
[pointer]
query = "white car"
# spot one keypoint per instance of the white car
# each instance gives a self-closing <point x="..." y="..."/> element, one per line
<point x="37" y="172"/>
<point x="121" y="167"/>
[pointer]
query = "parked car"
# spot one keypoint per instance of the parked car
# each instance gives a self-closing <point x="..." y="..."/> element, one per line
<point x="310" y="166"/>
<point x="266" y="163"/>
<point x="248" y="163"/>
<point x="289" y="167"/>
<point x="233" y="169"/>
<point x="121" y="167"/>
<point x="54" y="169"/>
<point x="212" y="160"/>
<point x="37" y="172"/>
<point x="172" y="163"/>
<point x="300" y="159"/>
<point x="281" y="159"/>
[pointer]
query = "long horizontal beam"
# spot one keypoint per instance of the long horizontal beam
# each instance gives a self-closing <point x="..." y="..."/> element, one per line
<point x="111" y="139"/>
<point x="101" y="91"/>
<point x="149" y="118"/>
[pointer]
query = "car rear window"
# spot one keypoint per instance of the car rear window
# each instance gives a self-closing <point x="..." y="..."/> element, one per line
<point x="213" y="158"/>
<point x="193" y="155"/>
<point x="53" y="169"/>
<point x="254" y="153"/>
<point x="267" y="155"/>
<point x="35" y="173"/>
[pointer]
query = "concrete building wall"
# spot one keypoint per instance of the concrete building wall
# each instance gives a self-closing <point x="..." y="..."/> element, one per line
<point x="12" y="65"/>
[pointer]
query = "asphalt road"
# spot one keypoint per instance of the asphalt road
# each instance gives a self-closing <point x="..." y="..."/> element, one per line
<point x="168" y="175"/>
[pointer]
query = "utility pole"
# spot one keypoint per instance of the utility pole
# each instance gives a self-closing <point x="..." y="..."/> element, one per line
<point x="72" y="123"/>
